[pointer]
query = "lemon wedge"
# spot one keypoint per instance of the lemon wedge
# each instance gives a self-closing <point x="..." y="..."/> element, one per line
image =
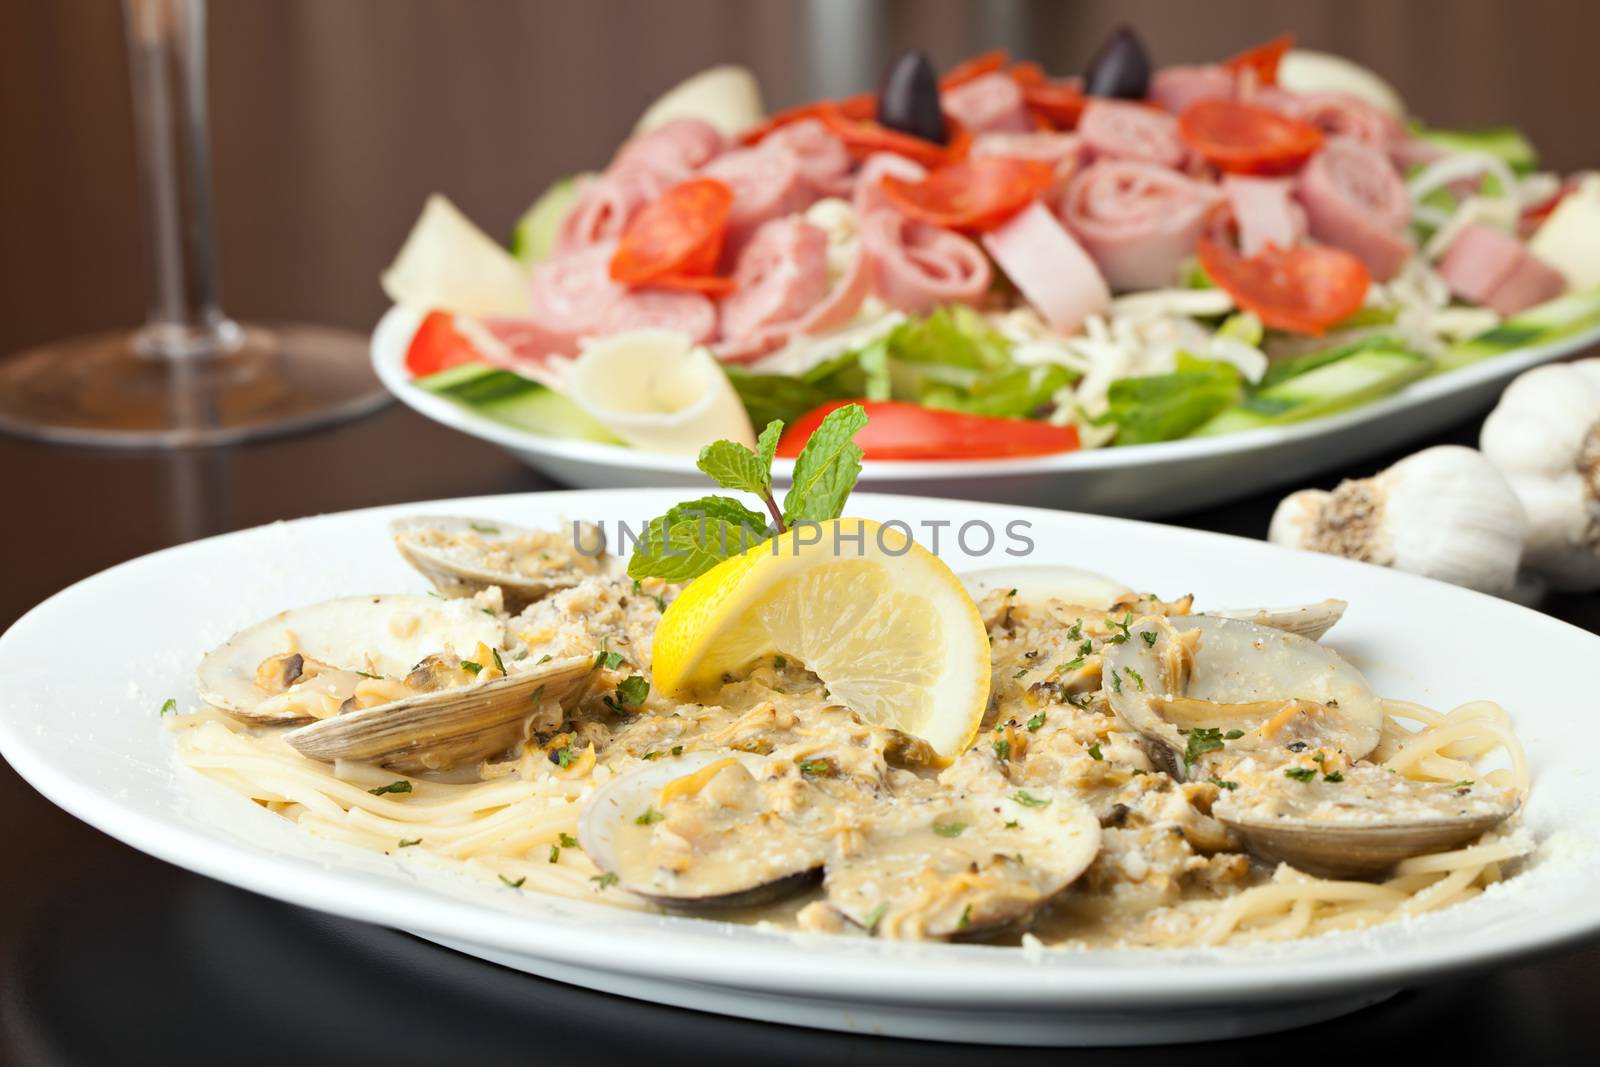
<point x="880" y="619"/>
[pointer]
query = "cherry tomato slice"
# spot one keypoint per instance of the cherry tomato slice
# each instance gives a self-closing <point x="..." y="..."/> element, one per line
<point x="1246" y="139"/>
<point x="973" y="69"/>
<point x="1028" y="73"/>
<point x="1262" y="60"/>
<point x="1061" y="103"/>
<point x="898" y="430"/>
<point x="680" y="233"/>
<point x="438" y="345"/>
<point x="1303" y="290"/>
<point x="864" y="136"/>
<point x="973" y="195"/>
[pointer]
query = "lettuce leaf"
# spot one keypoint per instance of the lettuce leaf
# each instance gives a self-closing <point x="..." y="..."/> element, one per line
<point x="1164" y="407"/>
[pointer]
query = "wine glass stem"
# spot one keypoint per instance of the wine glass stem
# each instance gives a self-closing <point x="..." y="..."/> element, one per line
<point x="167" y="62"/>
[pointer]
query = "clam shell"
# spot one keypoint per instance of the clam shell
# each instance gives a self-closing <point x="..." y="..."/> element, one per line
<point x="613" y="807"/>
<point x="437" y="731"/>
<point x="455" y="574"/>
<point x="385" y="635"/>
<point x="1356" y="850"/>
<point x="1072" y="585"/>
<point x="1310" y="621"/>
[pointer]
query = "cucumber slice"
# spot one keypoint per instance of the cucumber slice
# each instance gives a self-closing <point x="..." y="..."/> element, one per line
<point x="1350" y="381"/>
<point x="1283" y="369"/>
<point x="1550" y="321"/>
<point x="514" y="400"/>
<point x="1504" y="142"/>
<point x="535" y="236"/>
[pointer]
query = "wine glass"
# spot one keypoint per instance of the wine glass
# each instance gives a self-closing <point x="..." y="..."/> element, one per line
<point x="190" y="375"/>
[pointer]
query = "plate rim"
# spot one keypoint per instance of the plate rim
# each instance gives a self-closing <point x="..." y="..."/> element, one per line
<point x="394" y="329"/>
<point x="1183" y="977"/>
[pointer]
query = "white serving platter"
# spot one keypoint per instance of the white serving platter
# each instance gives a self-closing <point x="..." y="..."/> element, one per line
<point x="87" y="671"/>
<point x="1145" y="481"/>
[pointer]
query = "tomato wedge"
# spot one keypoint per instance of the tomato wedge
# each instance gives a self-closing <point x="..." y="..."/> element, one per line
<point x="973" y="69"/>
<point x="1246" y="139"/>
<point x="680" y="233"/>
<point x="1304" y="290"/>
<point x="898" y="430"/>
<point x="973" y="195"/>
<point x="864" y="136"/>
<point x="1061" y="103"/>
<point x="1262" y="60"/>
<point x="438" y="345"/>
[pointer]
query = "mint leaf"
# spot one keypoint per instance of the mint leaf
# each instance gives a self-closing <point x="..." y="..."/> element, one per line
<point x="767" y="448"/>
<point x="733" y="466"/>
<point x="827" y="468"/>
<point x="692" y="538"/>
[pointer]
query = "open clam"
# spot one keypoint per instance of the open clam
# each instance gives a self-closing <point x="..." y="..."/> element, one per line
<point x="962" y="866"/>
<point x="1286" y="720"/>
<point x="704" y="830"/>
<point x="1074" y="585"/>
<point x="463" y="556"/>
<point x="411" y="682"/>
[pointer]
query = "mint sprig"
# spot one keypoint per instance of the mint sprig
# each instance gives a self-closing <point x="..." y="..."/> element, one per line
<point x="695" y="536"/>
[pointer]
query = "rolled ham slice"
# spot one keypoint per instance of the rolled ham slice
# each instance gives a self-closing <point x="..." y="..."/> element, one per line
<point x="825" y="163"/>
<point x="1175" y="88"/>
<point x="1138" y="220"/>
<point x="1490" y="267"/>
<point x="1051" y="269"/>
<point x="1063" y="151"/>
<point x="1354" y="199"/>
<point x="869" y="195"/>
<point x="916" y="267"/>
<point x="990" y="104"/>
<point x="783" y="291"/>
<point x="1119" y="130"/>
<point x="1266" y="212"/>
<point x="572" y="297"/>
<point x="767" y="182"/>
<point x="1336" y="115"/>
<point x="606" y="205"/>
<point x="673" y="150"/>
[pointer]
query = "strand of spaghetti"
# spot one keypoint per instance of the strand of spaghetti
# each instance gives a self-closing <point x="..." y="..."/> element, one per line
<point x="1263" y="899"/>
<point x="1441" y="892"/>
<point x="1472" y="856"/>
<point x="1427" y="743"/>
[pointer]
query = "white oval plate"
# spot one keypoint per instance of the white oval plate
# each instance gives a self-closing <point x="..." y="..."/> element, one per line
<point x="1143" y="481"/>
<point x="87" y="671"/>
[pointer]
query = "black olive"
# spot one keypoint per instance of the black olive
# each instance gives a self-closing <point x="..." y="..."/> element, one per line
<point x="909" y="99"/>
<point x="1120" y="69"/>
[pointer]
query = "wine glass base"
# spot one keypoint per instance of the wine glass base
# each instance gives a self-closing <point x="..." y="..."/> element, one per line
<point x="103" y="390"/>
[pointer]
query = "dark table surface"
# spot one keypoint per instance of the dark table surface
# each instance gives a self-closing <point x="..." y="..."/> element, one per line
<point x="332" y="121"/>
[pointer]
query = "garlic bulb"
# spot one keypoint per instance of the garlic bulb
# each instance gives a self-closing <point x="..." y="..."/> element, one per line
<point x="1443" y="513"/>
<point x="1544" y="436"/>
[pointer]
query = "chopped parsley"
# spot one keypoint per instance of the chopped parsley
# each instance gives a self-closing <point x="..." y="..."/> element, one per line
<point x="1127" y="621"/>
<point x="1035" y="722"/>
<point x="637" y="587"/>
<point x="1028" y="800"/>
<point x="609" y="660"/>
<point x="966" y="918"/>
<point x="407" y="842"/>
<point x="1002" y="749"/>
<point x="1072" y="665"/>
<point x="677" y="750"/>
<point x="555" y="853"/>
<point x="1222" y="784"/>
<point x="1095" y="753"/>
<point x="1076" y="633"/>
<point x="546" y="658"/>
<point x="949" y="829"/>
<point x="651" y="815"/>
<point x="1020" y="672"/>
<point x="815" y="768"/>
<point x="661" y="602"/>
<point x="1116" y="682"/>
<point x="516" y="884"/>
<point x="1202" y="739"/>
<point x="1149" y="638"/>
<point x="1333" y="776"/>
<point x="398" y="786"/>
<point x="563" y="756"/>
<point x="605" y="881"/>
<point x="1233" y="735"/>
<point x="490" y="530"/>
<point x="469" y="665"/>
<point x="1465" y="783"/>
<point x="169" y="706"/>
<point x="650" y="756"/>
<point x="1012" y="825"/>
<point x="538" y="697"/>
<point x="631" y="692"/>
<point x="874" y="917"/>
<point x="1300" y="774"/>
<point x="779" y="663"/>
<point x="375" y="677"/>
<point x="499" y="664"/>
<point x="1138" y="679"/>
<point x="1086" y="648"/>
<point x="567" y="840"/>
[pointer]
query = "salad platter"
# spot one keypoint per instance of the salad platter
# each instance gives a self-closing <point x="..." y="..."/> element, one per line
<point x="1139" y="290"/>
